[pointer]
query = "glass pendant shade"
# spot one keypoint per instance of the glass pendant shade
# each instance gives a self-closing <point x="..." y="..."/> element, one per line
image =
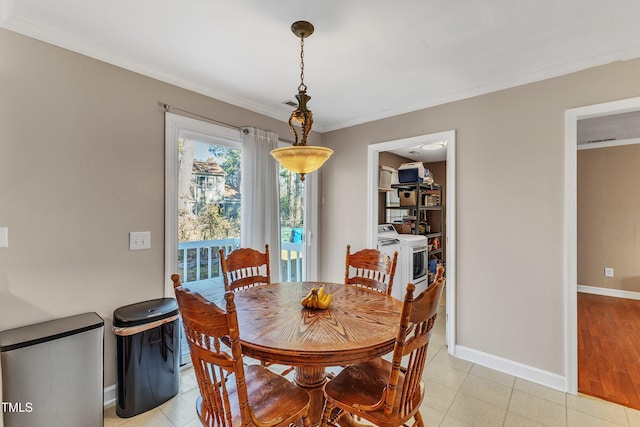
<point x="302" y="159"/>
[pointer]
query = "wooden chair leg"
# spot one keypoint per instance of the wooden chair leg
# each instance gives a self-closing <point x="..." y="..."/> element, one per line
<point x="418" y="417"/>
<point x="326" y="415"/>
<point x="329" y="419"/>
<point x="306" y="421"/>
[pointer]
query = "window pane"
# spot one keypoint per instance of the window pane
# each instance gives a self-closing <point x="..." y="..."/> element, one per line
<point x="208" y="209"/>
<point x="291" y="226"/>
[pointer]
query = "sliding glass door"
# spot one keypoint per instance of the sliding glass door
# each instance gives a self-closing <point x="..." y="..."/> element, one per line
<point x="203" y="206"/>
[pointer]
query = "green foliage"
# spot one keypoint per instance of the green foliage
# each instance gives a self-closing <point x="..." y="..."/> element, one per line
<point x="231" y="166"/>
<point x="229" y="159"/>
<point x="209" y="224"/>
<point x="291" y="199"/>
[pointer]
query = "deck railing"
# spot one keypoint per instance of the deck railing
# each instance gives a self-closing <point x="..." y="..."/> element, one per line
<point x="199" y="261"/>
<point x="291" y="261"/>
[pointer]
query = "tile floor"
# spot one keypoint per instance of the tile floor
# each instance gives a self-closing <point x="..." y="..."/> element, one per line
<point x="458" y="393"/>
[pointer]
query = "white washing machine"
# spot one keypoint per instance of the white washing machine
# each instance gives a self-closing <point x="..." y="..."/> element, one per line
<point x="413" y="263"/>
<point x="389" y="245"/>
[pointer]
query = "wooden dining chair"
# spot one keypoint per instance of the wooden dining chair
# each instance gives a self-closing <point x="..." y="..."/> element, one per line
<point x="382" y="392"/>
<point x="370" y="268"/>
<point x="231" y="393"/>
<point x="245" y="267"/>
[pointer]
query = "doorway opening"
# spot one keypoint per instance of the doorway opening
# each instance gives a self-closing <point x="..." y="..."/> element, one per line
<point x="374" y="150"/>
<point x="572" y="117"/>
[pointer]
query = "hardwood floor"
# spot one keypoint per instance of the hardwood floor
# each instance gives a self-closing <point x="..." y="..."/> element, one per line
<point x="609" y="348"/>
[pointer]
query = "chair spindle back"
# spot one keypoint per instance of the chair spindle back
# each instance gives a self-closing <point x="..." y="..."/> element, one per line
<point x="370" y="268"/>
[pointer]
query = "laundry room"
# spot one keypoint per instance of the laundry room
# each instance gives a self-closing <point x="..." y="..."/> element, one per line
<point x="412" y="210"/>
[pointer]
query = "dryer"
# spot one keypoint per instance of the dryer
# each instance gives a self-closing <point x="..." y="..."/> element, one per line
<point x="413" y="262"/>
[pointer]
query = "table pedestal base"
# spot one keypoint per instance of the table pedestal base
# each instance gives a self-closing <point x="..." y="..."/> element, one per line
<point x="312" y="379"/>
<point x="310" y="376"/>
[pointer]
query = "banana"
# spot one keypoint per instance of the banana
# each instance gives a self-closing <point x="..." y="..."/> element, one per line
<point x="321" y="292"/>
<point x="307" y="300"/>
<point x="325" y="302"/>
<point x="317" y="298"/>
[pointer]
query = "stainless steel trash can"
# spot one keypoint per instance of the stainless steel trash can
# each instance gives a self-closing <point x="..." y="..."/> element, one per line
<point x="52" y="373"/>
<point x="147" y="345"/>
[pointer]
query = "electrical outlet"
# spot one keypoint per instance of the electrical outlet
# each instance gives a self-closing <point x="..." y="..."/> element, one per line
<point x="608" y="272"/>
<point x="139" y="240"/>
<point x="4" y="237"/>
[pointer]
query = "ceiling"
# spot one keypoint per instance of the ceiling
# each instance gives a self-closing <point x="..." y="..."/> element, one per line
<point x="435" y="153"/>
<point x="616" y="127"/>
<point x="368" y="59"/>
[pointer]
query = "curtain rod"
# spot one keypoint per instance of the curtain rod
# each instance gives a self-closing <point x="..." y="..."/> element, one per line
<point x="168" y="107"/>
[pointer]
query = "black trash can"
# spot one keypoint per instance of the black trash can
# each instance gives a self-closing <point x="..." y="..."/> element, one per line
<point x="147" y="344"/>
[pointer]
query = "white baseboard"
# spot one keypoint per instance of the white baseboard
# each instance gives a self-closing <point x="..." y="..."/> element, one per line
<point x="529" y="373"/>
<point x="607" y="292"/>
<point x="110" y="395"/>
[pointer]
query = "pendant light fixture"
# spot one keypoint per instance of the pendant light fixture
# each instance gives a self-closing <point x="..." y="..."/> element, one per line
<point x="300" y="157"/>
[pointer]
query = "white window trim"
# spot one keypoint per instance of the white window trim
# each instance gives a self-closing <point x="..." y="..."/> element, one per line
<point x="311" y="212"/>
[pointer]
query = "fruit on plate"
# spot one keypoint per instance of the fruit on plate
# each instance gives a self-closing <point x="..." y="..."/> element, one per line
<point x="317" y="298"/>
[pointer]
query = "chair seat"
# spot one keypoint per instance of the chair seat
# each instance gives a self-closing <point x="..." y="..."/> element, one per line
<point x="363" y="384"/>
<point x="270" y="395"/>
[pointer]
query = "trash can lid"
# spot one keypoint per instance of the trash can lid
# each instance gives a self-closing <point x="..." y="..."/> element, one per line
<point x="145" y="312"/>
<point x="38" y="333"/>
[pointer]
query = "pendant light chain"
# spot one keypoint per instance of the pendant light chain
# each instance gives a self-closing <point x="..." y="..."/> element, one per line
<point x="302" y="87"/>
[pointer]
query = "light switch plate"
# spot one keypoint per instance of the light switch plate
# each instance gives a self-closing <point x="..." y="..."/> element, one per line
<point x="139" y="240"/>
<point x="4" y="237"/>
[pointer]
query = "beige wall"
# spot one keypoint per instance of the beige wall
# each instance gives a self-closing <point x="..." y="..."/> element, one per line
<point x="82" y="165"/>
<point x="510" y="205"/>
<point x="609" y="217"/>
<point x="392" y="160"/>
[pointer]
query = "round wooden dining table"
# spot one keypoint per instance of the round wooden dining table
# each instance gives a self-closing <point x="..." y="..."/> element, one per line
<point x="360" y="324"/>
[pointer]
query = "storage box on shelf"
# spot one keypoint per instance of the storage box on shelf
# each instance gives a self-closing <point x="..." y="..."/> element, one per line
<point x="385" y="174"/>
<point x="414" y="172"/>
<point x="411" y="172"/>
<point x="407" y="197"/>
<point x="432" y="198"/>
